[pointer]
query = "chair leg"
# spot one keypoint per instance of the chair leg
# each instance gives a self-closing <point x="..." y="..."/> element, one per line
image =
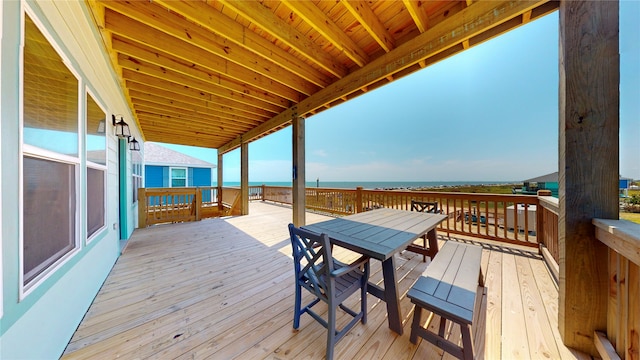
<point x="424" y="245"/>
<point x="297" y="308"/>
<point x="363" y="294"/>
<point x="331" y="332"/>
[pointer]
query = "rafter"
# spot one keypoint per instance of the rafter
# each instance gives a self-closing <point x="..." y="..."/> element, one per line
<point x="276" y="27"/>
<point x="183" y="32"/>
<point x="418" y="15"/>
<point x="365" y="16"/>
<point x="328" y="29"/>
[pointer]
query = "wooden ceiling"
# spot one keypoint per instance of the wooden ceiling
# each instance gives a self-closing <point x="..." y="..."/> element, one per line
<point x="218" y="73"/>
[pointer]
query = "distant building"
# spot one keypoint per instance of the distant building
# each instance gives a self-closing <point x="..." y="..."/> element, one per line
<point x="169" y="168"/>
<point x="544" y="182"/>
<point x="625" y="185"/>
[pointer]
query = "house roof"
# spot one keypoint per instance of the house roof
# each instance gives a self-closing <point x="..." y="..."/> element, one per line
<point x="155" y="154"/>
<point x="553" y="177"/>
<point x="221" y="73"/>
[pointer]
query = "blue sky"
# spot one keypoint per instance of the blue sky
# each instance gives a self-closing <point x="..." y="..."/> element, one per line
<point x="487" y="114"/>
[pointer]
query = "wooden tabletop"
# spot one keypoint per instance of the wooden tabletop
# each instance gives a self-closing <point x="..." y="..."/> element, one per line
<point x="379" y="233"/>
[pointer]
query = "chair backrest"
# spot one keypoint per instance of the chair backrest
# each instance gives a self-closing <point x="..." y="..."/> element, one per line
<point x="312" y="261"/>
<point x="424" y="206"/>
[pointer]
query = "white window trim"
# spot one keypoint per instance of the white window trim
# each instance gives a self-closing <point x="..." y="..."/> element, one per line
<point x="90" y="164"/>
<point x="26" y="289"/>
<point x="186" y="175"/>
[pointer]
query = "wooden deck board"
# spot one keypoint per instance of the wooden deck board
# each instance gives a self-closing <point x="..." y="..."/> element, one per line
<point x="223" y="289"/>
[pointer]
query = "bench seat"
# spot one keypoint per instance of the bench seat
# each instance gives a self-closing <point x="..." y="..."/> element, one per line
<point x="451" y="287"/>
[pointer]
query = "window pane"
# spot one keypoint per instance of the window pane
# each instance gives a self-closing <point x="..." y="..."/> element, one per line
<point x="178" y="182"/>
<point x="49" y="214"/>
<point x="96" y="139"/>
<point x="50" y="96"/>
<point x="179" y="173"/>
<point x="95" y="200"/>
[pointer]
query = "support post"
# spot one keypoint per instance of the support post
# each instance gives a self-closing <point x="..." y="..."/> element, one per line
<point x="298" y="171"/>
<point x="143" y="212"/>
<point x="244" y="178"/>
<point x="219" y="182"/>
<point x="589" y="72"/>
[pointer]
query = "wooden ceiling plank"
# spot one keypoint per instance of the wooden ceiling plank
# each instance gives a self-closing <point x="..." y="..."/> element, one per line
<point x="217" y="22"/>
<point x="328" y="29"/>
<point x="206" y="102"/>
<point x="473" y="20"/>
<point x="220" y="111"/>
<point x="240" y="93"/>
<point x="201" y="90"/>
<point x="162" y="109"/>
<point x="150" y="15"/>
<point x="418" y="14"/>
<point x="365" y="16"/>
<point x="276" y="27"/>
<point x="149" y="43"/>
<point x="160" y="124"/>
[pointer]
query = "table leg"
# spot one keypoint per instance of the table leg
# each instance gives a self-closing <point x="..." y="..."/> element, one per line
<point x="433" y="243"/>
<point x="391" y="295"/>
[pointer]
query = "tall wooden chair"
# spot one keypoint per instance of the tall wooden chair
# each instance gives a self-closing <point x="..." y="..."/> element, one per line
<point x="329" y="280"/>
<point x="428" y="207"/>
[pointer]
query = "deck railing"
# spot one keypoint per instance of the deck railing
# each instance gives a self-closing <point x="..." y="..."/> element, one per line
<point x="547" y="231"/>
<point x="623" y="311"/>
<point x="165" y="205"/>
<point x="504" y="218"/>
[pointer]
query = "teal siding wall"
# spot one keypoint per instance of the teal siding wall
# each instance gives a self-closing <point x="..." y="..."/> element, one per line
<point x="40" y="323"/>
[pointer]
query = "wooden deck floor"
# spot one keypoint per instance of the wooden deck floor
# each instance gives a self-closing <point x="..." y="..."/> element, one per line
<point x="223" y="289"/>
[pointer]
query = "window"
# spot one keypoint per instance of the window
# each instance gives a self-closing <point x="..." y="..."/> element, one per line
<point x="96" y="166"/>
<point x="178" y="177"/>
<point x="136" y="173"/>
<point x="50" y="157"/>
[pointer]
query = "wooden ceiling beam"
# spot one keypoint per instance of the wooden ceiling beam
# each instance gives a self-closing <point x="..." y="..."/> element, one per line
<point x="152" y="45"/>
<point x="221" y="112"/>
<point x="451" y="32"/>
<point x="189" y="115"/>
<point x="201" y="90"/>
<point x="365" y="16"/>
<point x="163" y="123"/>
<point x="418" y="14"/>
<point x="146" y="15"/>
<point x="241" y="93"/>
<point x="205" y="102"/>
<point x="217" y="22"/>
<point x="324" y="25"/>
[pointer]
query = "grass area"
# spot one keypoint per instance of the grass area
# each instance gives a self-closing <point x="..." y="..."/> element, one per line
<point x="635" y="217"/>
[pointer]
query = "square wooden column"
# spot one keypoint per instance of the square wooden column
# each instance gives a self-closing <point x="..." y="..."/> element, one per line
<point x="244" y="178"/>
<point x="219" y="181"/>
<point x="298" y="171"/>
<point x="589" y="73"/>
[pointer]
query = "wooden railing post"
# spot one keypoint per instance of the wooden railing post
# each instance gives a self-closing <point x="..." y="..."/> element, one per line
<point x="142" y="208"/>
<point x="263" y="191"/>
<point x="540" y="226"/>
<point x="198" y="203"/>
<point x="359" y="199"/>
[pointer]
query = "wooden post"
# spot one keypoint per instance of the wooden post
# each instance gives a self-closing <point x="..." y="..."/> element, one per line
<point x="298" y="171"/>
<point x="588" y="163"/>
<point x="264" y="187"/>
<point x="219" y="182"/>
<point x="198" y="203"/>
<point x="359" y="199"/>
<point x="244" y="178"/>
<point x="142" y="208"/>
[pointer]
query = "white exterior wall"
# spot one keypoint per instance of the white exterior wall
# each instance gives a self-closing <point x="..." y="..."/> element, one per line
<point x="40" y="323"/>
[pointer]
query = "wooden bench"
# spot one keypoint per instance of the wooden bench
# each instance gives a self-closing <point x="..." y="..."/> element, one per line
<point x="453" y="288"/>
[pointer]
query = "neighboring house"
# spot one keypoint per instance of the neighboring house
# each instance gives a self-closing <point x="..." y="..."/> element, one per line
<point x="544" y="182"/>
<point x="624" y="186"/>
<point x="169" y="168"/>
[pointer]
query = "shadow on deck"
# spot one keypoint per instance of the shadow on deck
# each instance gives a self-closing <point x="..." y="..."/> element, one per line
<point x="223" y="289"/>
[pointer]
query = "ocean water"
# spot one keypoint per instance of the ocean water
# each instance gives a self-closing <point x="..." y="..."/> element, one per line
<point x="376" y="184"/>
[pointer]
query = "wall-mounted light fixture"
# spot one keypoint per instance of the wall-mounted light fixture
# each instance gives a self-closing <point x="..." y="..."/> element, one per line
<point x="134" y="145"/>
<point x="122" y="129"/>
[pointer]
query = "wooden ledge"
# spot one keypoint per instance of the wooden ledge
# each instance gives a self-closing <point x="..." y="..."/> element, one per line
<point x="620" y="235"/>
